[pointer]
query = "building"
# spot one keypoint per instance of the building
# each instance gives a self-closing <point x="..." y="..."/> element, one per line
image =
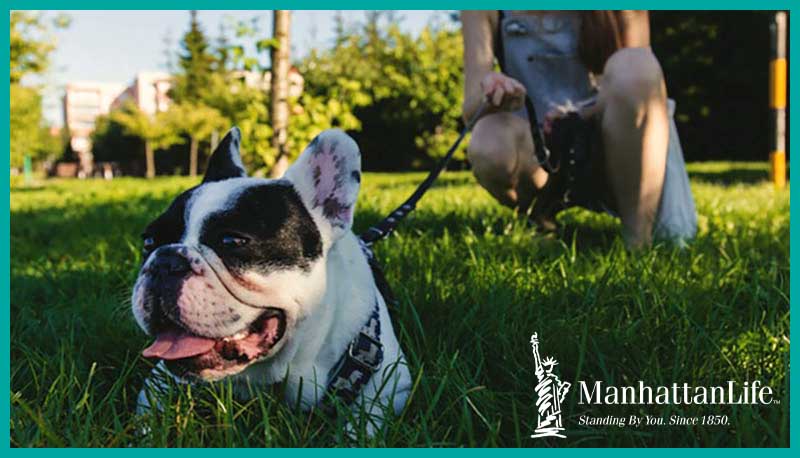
<point x="83" y="102"/>
<point x="149" y="91"/>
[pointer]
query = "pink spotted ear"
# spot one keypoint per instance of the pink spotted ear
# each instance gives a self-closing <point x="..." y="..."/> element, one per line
<point x="327" y="175"/>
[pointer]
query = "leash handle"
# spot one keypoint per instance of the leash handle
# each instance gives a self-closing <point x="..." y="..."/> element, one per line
<point x="387" y="225"/>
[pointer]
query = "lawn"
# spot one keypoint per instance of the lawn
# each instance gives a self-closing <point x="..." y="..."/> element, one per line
<point x="472" y="286"/>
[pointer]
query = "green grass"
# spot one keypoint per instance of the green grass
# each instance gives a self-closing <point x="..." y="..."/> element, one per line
<point x="472" y="286"/>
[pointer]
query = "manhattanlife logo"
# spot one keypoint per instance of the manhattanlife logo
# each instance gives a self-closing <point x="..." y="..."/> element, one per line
<point x="551" y="392"/>
<point x="676" y="394"/>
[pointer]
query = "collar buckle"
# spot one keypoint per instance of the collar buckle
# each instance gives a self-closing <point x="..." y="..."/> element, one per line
<point x="364" y="364"/>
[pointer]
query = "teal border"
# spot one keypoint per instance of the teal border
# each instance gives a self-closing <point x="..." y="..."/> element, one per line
<point x="794" y="129"/>
<point x="395" y="4"/>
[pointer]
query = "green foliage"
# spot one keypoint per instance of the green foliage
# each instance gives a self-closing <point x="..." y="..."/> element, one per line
<point x="398" y="94"/>
<point x="25" y="121"/>
<point x="111" y="143"/>
<point x="404" y="90"/>
<point x="472" y="286"/>
<point x="211" y="80"/>
<point x="196" y="63"/>
<point x="310" y="115"/>
<point x="29" y="136"/>
<point x="30" y="46"/>
<point x="156" y="130"/>
<point x="246" y="107"/>
<point x="196" y="121"/>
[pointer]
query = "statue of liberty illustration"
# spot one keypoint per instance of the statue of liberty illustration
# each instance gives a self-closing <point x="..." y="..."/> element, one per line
<point x="550" y="392"/>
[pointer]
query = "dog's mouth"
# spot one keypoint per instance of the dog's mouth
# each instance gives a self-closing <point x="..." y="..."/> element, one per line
<point x="187" y="354"/>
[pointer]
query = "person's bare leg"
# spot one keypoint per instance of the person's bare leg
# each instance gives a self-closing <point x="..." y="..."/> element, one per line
<point x="501" y="153"/>
<point x="635" y="126"/>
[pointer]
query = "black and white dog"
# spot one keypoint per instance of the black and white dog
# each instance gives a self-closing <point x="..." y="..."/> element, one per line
<point x="263" y="281"/>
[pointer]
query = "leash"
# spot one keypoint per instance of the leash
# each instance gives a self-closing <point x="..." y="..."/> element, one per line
<point x="364" y="354"/>
<point x="388" y="224"/>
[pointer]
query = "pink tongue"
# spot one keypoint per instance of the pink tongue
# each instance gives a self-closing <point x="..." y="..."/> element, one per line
<point x="173" y="345"/>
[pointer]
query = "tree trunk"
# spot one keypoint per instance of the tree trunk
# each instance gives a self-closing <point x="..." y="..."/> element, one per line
<point x="193" y="157"/>
<point x="150" y="159"/>
<point x="280" y="90"/>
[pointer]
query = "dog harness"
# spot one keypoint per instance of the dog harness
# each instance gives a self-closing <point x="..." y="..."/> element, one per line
<point x="364" y="354"/>
<point x="355" y="367"/>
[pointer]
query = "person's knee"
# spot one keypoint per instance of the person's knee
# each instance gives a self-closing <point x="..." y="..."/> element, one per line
<point x="633" y="77"/>
<point x="490" y="160"/>
<point x="492" y="152"/>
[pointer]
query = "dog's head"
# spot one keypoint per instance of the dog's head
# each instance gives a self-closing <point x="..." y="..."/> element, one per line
<point x="233" y="264"/>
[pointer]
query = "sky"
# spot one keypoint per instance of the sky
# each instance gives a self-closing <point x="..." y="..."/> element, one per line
<point x="112" y="46"/>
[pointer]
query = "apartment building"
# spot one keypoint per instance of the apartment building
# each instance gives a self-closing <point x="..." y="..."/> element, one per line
<point x="83" y="102"/>
<point x="149" y="91"/>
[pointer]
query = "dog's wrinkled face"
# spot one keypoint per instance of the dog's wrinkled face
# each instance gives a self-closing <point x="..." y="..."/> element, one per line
<point x="235" y="263"/>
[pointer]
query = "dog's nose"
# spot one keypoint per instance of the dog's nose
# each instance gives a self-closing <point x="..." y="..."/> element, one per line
<point x="170" y="263"/>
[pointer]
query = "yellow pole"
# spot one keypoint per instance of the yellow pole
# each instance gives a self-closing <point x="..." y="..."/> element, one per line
<point x="777" y="99"/>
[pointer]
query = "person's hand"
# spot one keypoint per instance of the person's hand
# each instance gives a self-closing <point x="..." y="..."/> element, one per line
<point x="502" y="92"/>
<point x="551" y="117"/>
<point x="586" y="109"/>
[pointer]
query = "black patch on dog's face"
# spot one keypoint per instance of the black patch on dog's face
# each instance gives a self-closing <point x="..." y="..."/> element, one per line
<point x="276" y="229"/>
<point x="169" y="226"/>
<point x="160" y="305"/>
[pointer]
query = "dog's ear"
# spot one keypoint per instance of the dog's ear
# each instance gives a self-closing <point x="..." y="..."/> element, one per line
<point x="327" y="175"/>
<point x="225" y="162"/>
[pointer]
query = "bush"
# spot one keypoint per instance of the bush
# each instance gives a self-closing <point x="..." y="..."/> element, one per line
<point x="404" y="91"/>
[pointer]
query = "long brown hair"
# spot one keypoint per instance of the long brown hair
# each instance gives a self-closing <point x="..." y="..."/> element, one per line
<point x="602" y="33"/>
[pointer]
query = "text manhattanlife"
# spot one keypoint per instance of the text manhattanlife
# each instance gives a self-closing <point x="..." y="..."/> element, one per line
<point x="732" y="393"/>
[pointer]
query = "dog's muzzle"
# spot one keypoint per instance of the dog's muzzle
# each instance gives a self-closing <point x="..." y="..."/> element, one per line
<point x="200" y="328"/>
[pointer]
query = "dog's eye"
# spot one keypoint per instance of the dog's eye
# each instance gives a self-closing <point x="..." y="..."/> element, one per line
<point x="233" y="241"/>
<point x="148" y="243"/>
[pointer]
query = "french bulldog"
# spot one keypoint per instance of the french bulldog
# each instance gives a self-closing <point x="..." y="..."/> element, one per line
<point x="263" y="281"/>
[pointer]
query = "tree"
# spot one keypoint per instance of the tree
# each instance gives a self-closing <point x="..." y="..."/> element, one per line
<point x="197" y="122"/>
<point x="31" y="43"/>
<point x="24" y="122"/>
<point x="196" y="63"/>
<point x="694" y="50"/>
<point x="243" y="106"/>
<point x="155" y="131"/>
<point x="404" y="90"/>
<point x="111" y="143"/>
<point x="30" y="46"/>
<point x="279" y="91"/>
